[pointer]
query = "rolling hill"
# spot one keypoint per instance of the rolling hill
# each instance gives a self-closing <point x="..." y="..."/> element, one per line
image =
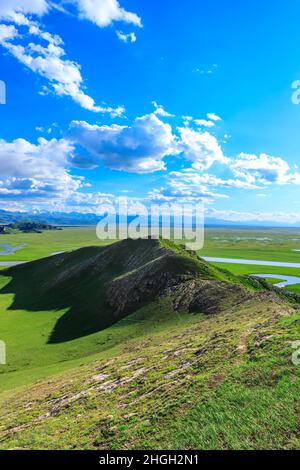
<point x="141" y="344"/>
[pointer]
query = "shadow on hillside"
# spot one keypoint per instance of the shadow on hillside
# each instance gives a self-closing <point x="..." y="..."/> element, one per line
<point x="77" y="285"/>
<point x="83" y="299"/>
<point x="80" y="318"/>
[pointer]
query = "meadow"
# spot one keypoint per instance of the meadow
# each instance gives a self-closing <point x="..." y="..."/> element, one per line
<point x="41" y="245"/>
<point x="262" y="244"/>
<point x="157" y="378"/>
<point x="30" y="335"/>
<point x="176" y="382"/>
<point x="254" y="244"/>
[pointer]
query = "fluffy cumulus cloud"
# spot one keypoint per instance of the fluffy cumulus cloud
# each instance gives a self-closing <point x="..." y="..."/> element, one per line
<point x="101" y="12"/>
<point x="7" y="33"/>
<point x="105" y="12"/>
<point x="36" y="171"/>
<point x="264" y="169"/>
<point x="139" y="148"/>
<point x="38" y="177"/>
<point x="43" y="171"/>
<point x="190" y="185"/>
<point x="160" y="110"/>
<point x="184" y="187"/>
<point x="201" y="148"/>
<point x="16" y="10"/>
<point x="63" y="75"/>
<point x="249" y="172"/>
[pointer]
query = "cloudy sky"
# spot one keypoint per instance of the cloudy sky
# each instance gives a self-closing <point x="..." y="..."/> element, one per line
<point x="160" y="101"/>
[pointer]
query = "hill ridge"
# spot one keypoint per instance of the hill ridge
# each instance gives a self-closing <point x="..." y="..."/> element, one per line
<point x="100" y="285"/>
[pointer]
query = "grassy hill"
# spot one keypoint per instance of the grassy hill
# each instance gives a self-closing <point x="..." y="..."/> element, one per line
<point x="141" y="344"/>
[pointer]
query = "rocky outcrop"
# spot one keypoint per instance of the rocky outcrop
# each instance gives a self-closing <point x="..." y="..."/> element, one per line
<point x="166" y="276"/>
<point x="208" y="296"/>
<point x="144" y="284"/>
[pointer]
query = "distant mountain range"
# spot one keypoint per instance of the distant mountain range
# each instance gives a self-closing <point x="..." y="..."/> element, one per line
<point x="55" y="218"/>
<point x="79" y="219"/>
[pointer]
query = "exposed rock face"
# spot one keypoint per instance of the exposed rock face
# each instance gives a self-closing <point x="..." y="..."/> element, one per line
<point x="167" y="276"/>
<point x="144" y="284"/>
<point x="208" y="296"/>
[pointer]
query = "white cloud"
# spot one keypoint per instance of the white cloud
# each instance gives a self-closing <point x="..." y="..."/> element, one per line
<point x="16" y="10"/>
<point x="208" y="71"/>
<point x="160" y="110"/>
<point x="201" y="148"/>
<point x="48" y="61"/>
<point x="264" y="169"/>
<point x="47" y="130"/>
<point x="187" y="186"/>
<point x="130" y="37"/>
<point x="36" y="170"/>
<point x="41" y="172"/>
<point x="204" y="123"/>
<point x="191" y="185"/>
<point x="194" y="178"/>
<point x="63" y="75"/>
<point x="214" y="117"/>
<point x="7" y="33"/>
<point x="105" y="12"/>
<point x="139" y="148"/>
<point x="259" y="216"/>
<point x="101" y="12"/>
<point x="37" y="177"/>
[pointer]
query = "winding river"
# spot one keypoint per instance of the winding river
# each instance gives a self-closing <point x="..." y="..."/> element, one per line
<point x="287" y="280"/>
<point x="10" y="250"/>
<point x="253" y="262"/>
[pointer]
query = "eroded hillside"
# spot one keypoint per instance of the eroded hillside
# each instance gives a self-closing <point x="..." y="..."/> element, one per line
<point x="226" y="381"/>
<point x="192" y="357"/>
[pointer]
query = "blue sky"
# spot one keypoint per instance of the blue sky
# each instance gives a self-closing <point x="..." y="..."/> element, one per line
<point x="161" y="101"/>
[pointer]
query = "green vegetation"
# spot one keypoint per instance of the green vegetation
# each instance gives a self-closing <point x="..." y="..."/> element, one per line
<point x="41" y="245"/>
<point x="55" y="310"/>
<point x="294" y="288"/>
<point x="247" y="269"/>
<point x="269" y="245"/>
<point x="256" y="244"/>
<point x="190" y="382"/>
<point x="142" y="345"/>
<point x="273" y="281"/>
<point x="27" y="226"/>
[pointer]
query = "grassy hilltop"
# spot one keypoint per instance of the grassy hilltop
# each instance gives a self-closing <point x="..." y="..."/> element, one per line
<point x="141" y="344"/>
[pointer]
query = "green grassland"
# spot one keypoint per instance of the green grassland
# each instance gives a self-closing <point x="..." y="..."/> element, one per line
<point x="295" y="288"/>
<point x="256" y="244"/>
<point x="40" y="245"/>
<point x="50" y="308"/>
<point x="219" y="242"/>
<point x="193" y="382"/>
<point x="156" y="378"/>
<point x="245" y="269"/>
<point x="268" y="244"/>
